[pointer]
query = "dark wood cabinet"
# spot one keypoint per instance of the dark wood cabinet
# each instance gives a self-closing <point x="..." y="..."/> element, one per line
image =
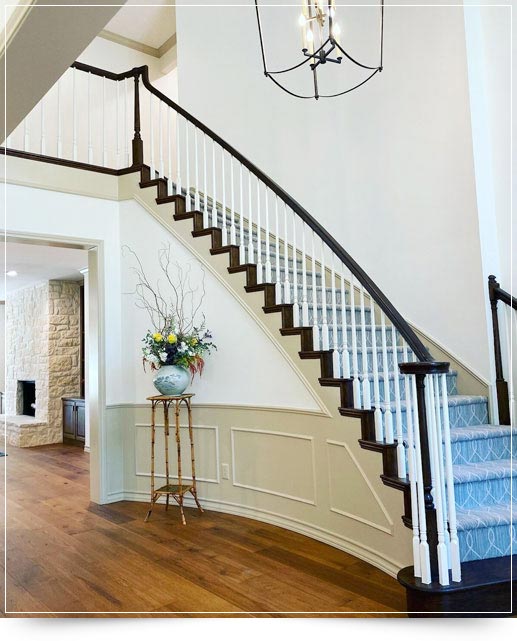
<point x="74" y="428"/>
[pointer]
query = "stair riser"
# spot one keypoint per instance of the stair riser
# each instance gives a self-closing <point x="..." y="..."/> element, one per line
<point x="467" y="415"/>
<point x="487" y="542"/>
<point x="479" y="450"/>
<point x="473" y="494"/>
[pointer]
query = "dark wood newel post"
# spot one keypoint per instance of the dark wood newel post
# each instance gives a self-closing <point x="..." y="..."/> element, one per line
<point x="503" y="402"/>
<point x="421" y="370"/>
<point x="138" y="146"/>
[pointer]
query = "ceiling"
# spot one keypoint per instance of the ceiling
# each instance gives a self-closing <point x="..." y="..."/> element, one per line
<point x="152" y="26"/>
<point x="37" y="263"/>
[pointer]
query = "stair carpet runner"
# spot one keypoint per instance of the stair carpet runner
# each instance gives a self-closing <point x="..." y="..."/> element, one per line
<point x="482" y="454"/>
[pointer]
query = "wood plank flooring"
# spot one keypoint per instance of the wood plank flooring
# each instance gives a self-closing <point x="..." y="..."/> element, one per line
<point x="69" y="557"/>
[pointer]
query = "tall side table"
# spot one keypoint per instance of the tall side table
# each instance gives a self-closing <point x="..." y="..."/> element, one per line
<point x="177" y="491"/>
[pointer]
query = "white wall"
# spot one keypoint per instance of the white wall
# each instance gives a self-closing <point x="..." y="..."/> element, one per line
<point x="2" y="346"/>
<point x="387" y="169"/>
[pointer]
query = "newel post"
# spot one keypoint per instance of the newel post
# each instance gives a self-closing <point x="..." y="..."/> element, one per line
<point x="138" y="146"/>
<point x="421" y="370"/>
<point x="503" y="402"/>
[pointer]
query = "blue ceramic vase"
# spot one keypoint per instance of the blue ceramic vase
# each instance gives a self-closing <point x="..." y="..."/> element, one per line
<point x="171" y="380"/>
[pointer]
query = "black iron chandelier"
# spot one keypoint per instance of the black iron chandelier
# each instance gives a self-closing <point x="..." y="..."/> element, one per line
<point x="321" y="44"/>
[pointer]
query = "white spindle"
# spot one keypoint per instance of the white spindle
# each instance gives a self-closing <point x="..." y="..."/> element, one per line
<point x="355" y="360"/>
<point x="268" y="249"/>
<point x="296" y="308"/>
<point x="367" y="404"/>
<point x="233" y="234"/>
<point x="412" y="471"/>
<point x="151" y="135"/>
<point x="90" y="145"/>
<point x="170" y="180"/>
<point x="345" y="357"/>
<point x="26" y="133"/>
<point x="449" y="477"/>
<point x="43" y="145"/>
<point x="117" y="126"/>
<point x="242" y="246"/>
<point x="103" y="124"/>
<point x="178" y="155"/>
<point x="74" y="114"/>
<point x="379" y="431"/>
<point x="425" y="562"/>
<point x="188" y="198"/>
<point x="287" y="287"/>
<point x="278" y="283"/>
<point x="435" y="452"/>
<point x="214" y="188"/>
<point x="161" y="170"/>
<point x="250" y="223"/>
<point x="305" y="302"/>
<point x="314" y="289"/>
<point x="126" y="130"/>
<point x="205" y="185"/>
<point x="388" y="417"/>
<point x="59" y="146"/>
<point x="401" y="458"/>
<point x="196" y="171"/>
<point x="335" y="348"/>
<point x="260" y="267"/>
<point x="324" y="319"/>
<point x="224" y="229"/>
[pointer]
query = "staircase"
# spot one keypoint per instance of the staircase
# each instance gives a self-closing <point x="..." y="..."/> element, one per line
<point x="453" y="467"/>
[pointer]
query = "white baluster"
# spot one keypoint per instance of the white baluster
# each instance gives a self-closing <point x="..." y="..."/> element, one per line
<point x="367" y="403"/>
<point x="104" y="155"/>
<point x="74" y="113"/>
<point x="224" y="230"/>
<point x="287" y="286"/>
<point x="196" y="172"/>
<point x="205" y="185"/>
<point x="296" y="308"/>
<point x="379" y="431"/>
<point x="388" y="417"/>
<point x="26" y="133"/>
<point x="233" y="233"/>
<point x="90" y="145"/>
<point x="170" y="180"/>
<point x="355" y="360"/>
<point x="278" y="283"/>
<point x="178" y="155"/>
<point x="242" y="246"/>
<point x="449" y="476"/>
<point x="324" y="319"/>
<point x="401" y="458"/>
<point x="335" y="348"/>
<point x="415" y="523"/>
<point x="305" y="302"/>
<point x="59" y="136"/>
<point x="43" y="143"/>
<point x="126" y="129"/>
<point x="214" y="188"/>
<point x="117" y="126"/>
<point x="260" y="268"/>
<point x="345" y="356"/>
<point x="315" y="325"/>
<point x="268" y="250"/>
<point x="425" y="562"/>
<point x="188" y="199"/>
<point x="161" y="170"/>
<point x="251" y="257"/>
<point x="434" y="456"/>
<point x="151" y="135"/>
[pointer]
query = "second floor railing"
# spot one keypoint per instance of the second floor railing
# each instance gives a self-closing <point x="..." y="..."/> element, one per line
<point x="115" y="123"/>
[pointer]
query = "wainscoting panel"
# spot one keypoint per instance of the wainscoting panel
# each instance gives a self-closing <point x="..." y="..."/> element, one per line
<point x="352" y="495"/>
<point x="275" y="463"/>
<point x="206" y="445"/>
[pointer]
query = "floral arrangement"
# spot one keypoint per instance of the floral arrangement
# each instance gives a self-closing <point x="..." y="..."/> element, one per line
<point x="170" y="348"/>
<point x="179" y="335"/>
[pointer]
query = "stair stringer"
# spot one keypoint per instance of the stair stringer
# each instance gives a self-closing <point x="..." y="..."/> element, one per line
<point x="387" y="543"/>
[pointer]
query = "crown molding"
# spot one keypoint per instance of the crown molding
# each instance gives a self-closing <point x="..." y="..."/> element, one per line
<point x="155" y="52"/>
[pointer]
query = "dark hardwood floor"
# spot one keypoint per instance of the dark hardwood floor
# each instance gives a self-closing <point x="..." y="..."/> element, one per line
<point x="66" y="555"/>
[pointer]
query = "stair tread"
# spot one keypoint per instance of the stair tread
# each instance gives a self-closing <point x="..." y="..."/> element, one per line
<point x="484" y="471"/>
<point x="486" y="516"/>
<point x="476" y="432"/>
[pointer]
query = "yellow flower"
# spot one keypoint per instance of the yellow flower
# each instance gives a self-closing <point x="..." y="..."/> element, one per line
<point x="158" y="337"/>
<point x="172" y="338"/>
<point x="195" y="341"/>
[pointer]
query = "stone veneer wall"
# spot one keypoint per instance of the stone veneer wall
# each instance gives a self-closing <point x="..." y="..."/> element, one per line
<point x="43" y="344"/>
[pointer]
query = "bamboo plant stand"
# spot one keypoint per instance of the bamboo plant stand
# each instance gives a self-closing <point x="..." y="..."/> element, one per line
<point x="179" y="489"/>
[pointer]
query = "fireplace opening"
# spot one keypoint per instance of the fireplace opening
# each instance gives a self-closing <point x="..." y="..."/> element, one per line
<point x="27" y="398"/>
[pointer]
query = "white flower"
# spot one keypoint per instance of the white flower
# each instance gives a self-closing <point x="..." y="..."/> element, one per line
<point x="163" y="356"/>
<point x="182" y="347"/>
<point x="153" y="359"/>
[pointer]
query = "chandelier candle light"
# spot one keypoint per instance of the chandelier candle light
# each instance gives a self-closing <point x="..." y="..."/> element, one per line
<point x="321" y="43"/>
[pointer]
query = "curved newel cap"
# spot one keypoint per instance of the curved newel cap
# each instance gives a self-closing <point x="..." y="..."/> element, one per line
<point x="403" y="327"/>
<point x="428" y="367"/>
